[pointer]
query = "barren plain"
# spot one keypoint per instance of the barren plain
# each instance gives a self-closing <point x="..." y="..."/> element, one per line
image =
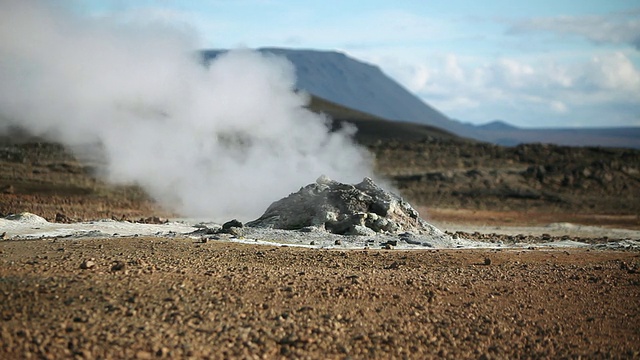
<point x="176" y="297"/>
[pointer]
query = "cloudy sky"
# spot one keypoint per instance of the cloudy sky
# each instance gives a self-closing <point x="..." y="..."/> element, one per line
<point x="543" y="63"/>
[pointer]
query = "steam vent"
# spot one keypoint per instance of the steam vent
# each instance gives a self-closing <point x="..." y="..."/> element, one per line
<point x="360" y="209"/>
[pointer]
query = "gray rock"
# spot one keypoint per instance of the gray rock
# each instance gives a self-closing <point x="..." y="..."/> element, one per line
<point x="360" y="230"/>
<point x="360" y="209"/>
<point x="231" y="224"/>
<point x="410" y="238"/>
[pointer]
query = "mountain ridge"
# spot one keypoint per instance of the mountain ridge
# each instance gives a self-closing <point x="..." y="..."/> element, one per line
<point x="336" y="77"/>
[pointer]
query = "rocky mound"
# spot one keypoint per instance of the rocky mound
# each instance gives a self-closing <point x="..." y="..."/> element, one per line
<point x="360" y="209"/>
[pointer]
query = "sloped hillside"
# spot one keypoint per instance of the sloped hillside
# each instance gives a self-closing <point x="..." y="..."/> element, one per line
<point x="373" y="129"/>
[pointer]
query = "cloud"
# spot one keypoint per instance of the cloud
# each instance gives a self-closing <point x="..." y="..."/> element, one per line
<point x="616" y="28"/>
<point x="527" y="92"/>
<point x="614" y="73"/>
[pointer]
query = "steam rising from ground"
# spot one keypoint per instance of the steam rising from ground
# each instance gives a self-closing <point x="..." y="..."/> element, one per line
<point x="219" y="141"/>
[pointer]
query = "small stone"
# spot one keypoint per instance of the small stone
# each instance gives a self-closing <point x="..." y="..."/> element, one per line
<point x="119" y="265"/>
<point x="312" y="243"/>
<point x="62" y="218"/>
<point x="87" y="264"/>
<point x="144" y="355"/>
<point x="86" y="354"/>
<point x="338" y="242"/>
<point x="487" y="261"/>
<point x="394" y="265"/>
<point x="163" y="351"/>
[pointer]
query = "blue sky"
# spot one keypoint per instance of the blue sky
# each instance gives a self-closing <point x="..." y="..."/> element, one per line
<point x="531" y="63"/>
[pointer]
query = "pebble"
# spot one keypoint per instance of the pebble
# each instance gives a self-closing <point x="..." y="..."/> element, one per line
<point x="87" y="264"/>
<point x="119" y="265"/>
<point x="144" y="355"/>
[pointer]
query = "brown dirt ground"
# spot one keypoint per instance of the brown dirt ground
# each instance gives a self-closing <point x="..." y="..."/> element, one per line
<point x="173" y="298"/>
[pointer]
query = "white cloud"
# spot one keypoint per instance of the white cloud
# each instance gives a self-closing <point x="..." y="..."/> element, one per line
<point x="616" y="28"/>
<point x="558" y="106"/>
<point x="526" y="92"/>
<point x="614" y="72"/>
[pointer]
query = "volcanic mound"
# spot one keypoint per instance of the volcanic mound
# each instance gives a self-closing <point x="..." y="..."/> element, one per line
<point x="344" y="209"/>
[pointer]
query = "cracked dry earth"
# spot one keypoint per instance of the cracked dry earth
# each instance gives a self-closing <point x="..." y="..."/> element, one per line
<point x="144" y="298"/>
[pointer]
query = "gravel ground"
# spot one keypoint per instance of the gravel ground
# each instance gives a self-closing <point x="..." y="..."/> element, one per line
<point x="145" y="297"/>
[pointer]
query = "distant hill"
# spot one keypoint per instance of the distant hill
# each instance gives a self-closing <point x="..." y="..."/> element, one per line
<point x="372" y="129"/>
<point x="498" y="125"/>
<point x="343" y="80"/>
<point x="501" y="133"/>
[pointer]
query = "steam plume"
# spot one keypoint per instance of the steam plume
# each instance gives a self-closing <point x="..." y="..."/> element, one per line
<point x="217" y="141"/>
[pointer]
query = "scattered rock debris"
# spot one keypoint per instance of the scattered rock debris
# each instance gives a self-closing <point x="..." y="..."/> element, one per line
<point x="152" y="220"/>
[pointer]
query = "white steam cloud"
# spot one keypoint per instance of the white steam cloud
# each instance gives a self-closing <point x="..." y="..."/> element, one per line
<point x="217" y="141"/>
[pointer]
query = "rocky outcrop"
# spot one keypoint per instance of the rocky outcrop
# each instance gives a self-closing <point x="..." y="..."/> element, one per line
<point x="360" y="209"/>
